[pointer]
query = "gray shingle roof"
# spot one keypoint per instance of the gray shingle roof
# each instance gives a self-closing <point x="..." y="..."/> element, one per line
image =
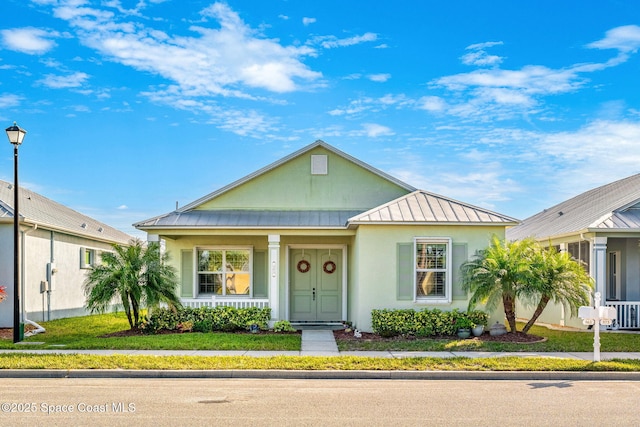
<point x="46" y="213"/>
<point x="610" y="206"/>
<point x="424" y="207"/>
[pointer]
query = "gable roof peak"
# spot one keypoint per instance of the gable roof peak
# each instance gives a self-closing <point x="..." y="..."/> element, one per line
<point x="295" y="154"/>
<point x="421" y="206"/>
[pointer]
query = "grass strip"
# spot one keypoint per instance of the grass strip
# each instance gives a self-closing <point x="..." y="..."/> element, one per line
<point x="346" y="363"/>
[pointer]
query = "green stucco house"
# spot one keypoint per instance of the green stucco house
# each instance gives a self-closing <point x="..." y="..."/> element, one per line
<point x="322" y="237"/>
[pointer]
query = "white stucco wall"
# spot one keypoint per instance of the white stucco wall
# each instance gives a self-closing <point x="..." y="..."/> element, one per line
<point x="40" y="247"/>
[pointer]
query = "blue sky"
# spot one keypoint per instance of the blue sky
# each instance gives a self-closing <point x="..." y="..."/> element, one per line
<point x="132" y="106"/>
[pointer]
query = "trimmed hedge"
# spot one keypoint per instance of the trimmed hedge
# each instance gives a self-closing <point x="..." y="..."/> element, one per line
<point x="207" y="319"/>
<point x="423" y="323"/>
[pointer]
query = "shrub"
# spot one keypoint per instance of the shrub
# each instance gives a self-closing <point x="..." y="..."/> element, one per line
<point x="206" y="319"/>
<point x="423" y="323"/>
<point x="478" y="317"/>
<point x="283" y="326"/>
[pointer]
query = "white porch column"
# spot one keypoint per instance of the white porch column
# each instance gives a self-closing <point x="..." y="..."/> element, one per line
<point x="599" y="265"/>
<point x="274" y="275"/>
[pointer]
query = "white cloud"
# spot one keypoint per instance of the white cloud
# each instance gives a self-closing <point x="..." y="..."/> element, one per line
<point x="330" y="42"/>
<point x="221" y="61"/>
<point x="374" y="130"/>
<point x="60" y="82"/>
<point x="380" y="78"/>
<point x="9" y="100"/>
<point x="624" y="39"/>
<point x="307" y="21"/>
<point x="479" y="57"/>
<point x="32" y="41"/>
<point x="431" y="103"/>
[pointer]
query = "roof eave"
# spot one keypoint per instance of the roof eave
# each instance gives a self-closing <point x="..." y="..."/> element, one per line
<point x="457" y="223"/>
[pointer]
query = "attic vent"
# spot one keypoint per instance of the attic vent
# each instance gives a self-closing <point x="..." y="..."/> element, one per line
<point x="84" y="225"/>
<point x="100" y="230"/>
<point x="319" y="164"/>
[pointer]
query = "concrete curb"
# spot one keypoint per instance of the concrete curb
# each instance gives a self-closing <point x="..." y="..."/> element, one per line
<point x="344" y="375"/>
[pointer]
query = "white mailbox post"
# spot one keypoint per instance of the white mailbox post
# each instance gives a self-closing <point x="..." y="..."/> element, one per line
<point x="597" y="316"/>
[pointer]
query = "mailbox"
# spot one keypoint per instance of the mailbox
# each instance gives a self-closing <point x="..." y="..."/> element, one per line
<point x="586" y="313"/>
<point x="607" y="313"/>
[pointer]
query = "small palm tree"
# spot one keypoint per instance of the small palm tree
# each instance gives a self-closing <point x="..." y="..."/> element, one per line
<point x="558" y="278"/>
<point x="137" y="275"/>
<point x="499" y="273"/>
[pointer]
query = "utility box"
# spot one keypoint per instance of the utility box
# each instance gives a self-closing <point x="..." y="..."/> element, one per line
<point x="51" y="271"/>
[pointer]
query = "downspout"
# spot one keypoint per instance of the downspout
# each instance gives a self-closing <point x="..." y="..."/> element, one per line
<point x="39" y="328"/>
<point x="51" y="261"/>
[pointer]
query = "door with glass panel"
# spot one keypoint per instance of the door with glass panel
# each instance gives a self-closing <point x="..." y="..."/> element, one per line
<point x="316" y="285"/>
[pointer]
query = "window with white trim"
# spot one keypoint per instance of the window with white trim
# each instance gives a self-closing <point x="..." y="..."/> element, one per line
<point x="580" y="252"/>
<point x="224" y="272"/>
<point x="432" y="265"/>
<point x="87" y="257"/>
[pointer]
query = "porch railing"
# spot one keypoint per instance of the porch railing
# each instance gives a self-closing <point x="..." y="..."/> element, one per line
<point x="225" y="302"/>
<point x="628" y="314"/>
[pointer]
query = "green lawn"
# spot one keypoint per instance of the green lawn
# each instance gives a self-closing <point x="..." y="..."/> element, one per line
<point x="86" y="333"/>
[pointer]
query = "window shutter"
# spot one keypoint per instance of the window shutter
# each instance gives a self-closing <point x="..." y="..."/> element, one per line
<point x="186" y="274"/>
<point x="82" y="255"/>
<point x="459" y="255"/>
<point x="260" y="277"/>
<point x="405" y="289"/>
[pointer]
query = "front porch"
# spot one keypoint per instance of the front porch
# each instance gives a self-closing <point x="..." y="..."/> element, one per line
<point x="628" y="314"/>
<point x="225" y="302"/>
<point x="616" y="270"/>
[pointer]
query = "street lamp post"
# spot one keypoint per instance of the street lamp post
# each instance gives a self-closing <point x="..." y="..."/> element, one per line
<point x="16" y="135"/>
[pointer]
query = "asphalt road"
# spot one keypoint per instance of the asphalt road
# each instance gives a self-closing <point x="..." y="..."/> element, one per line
<point x="284" y="402"/>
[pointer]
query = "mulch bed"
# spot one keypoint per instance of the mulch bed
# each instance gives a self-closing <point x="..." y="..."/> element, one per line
<point x="7" y="333"/>
<point x="516" y="338"/>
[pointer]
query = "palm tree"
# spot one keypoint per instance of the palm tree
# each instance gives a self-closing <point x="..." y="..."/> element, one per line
<point x="137" y="275"/>
<point x="558" y="278"/>
<point x="499" y="273"/>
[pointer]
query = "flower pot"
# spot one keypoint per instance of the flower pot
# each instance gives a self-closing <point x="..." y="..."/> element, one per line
<point x="464" y="333"/>
<point x="478" y="330"/>
<point x="497" y="329"/>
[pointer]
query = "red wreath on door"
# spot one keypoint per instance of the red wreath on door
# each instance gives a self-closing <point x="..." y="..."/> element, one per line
<point x="303" y="266"/>
<point x="329" y="267"/>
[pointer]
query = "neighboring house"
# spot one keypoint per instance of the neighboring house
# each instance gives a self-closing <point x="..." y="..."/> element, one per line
<point x="57" y="245"/>
<point x="601" y="228"/>
<point x="322" y="237"/>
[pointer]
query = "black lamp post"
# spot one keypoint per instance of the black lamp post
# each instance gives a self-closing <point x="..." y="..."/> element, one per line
<point x="16" y="135"/>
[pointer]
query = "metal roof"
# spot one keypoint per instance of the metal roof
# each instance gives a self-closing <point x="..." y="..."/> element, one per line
<point x="241" y="218"/>
<point x="424" y="207"/>
<point x="46" y="213"/>
<point x="611" y="206"/>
